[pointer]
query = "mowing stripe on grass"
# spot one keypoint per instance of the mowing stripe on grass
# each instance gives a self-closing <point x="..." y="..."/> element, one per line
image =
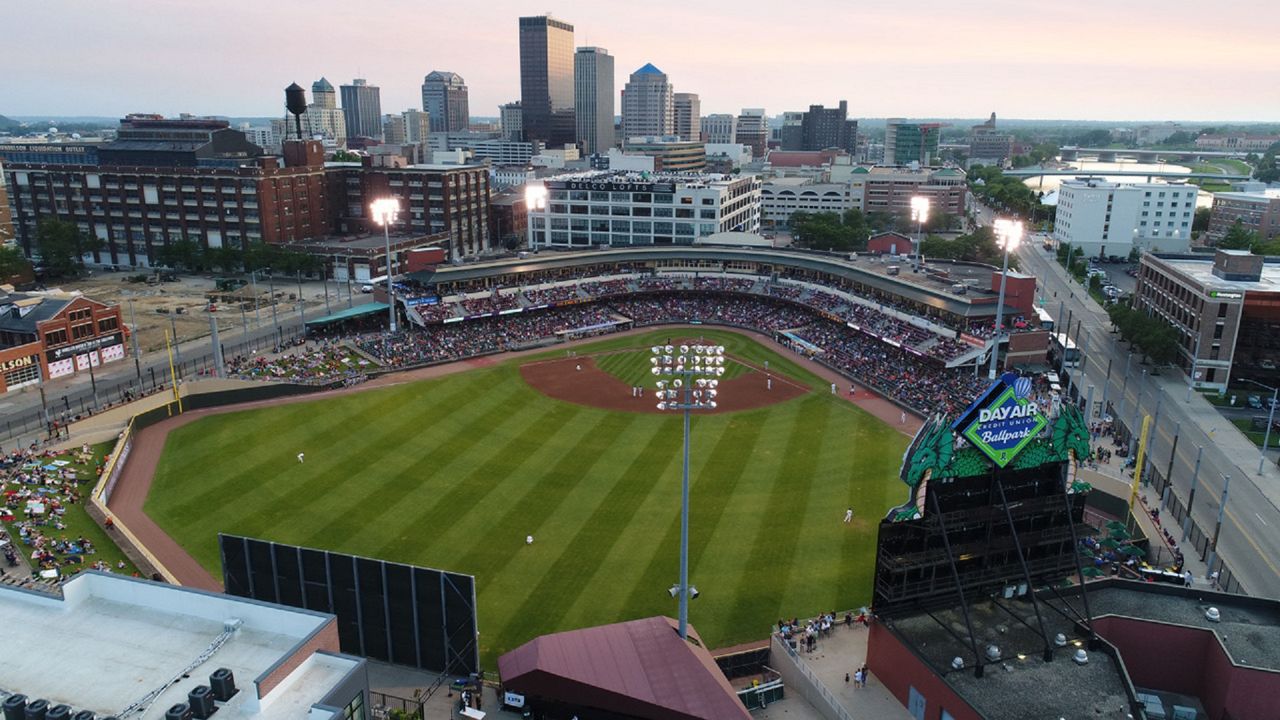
<point x="774" y="547"/>
<point x="364" y="502"/>
<point x="704" y="492"/>
<point x="583" y="555"/>
<point x="436" y="512"/>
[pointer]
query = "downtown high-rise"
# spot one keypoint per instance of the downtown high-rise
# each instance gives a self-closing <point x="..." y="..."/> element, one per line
<point x="593" y="98"/>
<point x="687" y="116"/>
<point x="444" y="97"/>
<point x="546" y="80"/>
<point x="647" y="105"/>
<point x="362" y="108"/>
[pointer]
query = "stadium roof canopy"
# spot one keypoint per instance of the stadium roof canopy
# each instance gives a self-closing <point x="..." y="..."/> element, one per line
<point x="351" y="312"/>
<point x="638" y="669"/>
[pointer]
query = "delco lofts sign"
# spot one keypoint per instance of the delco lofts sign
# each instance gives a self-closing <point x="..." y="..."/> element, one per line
<point x="1003" y="421"/>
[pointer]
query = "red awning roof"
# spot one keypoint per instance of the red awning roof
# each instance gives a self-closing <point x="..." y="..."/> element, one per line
<point x="639" y="668"/>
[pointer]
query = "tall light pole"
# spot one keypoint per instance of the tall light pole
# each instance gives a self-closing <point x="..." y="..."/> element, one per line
<point x="1271" y="417"/>
<point x="919" y="215"/>
<point x="687" y="378"/>
<point x="1008" y="236"/>
<point x="384" y="213"/>
<point x="133" y="336"/>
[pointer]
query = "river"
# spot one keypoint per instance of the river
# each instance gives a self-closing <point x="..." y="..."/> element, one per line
<point x="1049" y="183"/>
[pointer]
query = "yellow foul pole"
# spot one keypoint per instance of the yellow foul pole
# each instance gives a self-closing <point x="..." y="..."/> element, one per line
<point x="1142" y="454"/>
<point x="173" y="375"/>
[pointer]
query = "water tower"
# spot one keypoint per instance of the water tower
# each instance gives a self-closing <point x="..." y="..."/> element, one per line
<point x="295" y="101"/>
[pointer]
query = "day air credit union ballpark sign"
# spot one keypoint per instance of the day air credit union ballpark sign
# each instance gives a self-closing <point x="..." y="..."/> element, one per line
<point x="1003" y="420"/>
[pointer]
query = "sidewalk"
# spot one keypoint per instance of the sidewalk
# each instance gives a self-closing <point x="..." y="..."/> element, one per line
<point x="844" y="652"/>
<point x="1110" y="479"/>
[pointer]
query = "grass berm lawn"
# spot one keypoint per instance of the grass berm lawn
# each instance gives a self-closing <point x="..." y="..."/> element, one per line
<point x="454" y="472"/>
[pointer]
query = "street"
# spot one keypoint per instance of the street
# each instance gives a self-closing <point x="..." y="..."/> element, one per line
<point x="1250" y="541"/>
<point x="22" y="411"/>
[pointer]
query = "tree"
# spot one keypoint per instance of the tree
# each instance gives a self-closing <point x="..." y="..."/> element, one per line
<point x="1201" y="221"/>
<point x="226" y="258"/>
<point x="344" y="156"/>
<point x="62" y="247"/>
<point x="184" y="255"/>
<point x="12" y="262"/>
<point x="1238" y="238"/>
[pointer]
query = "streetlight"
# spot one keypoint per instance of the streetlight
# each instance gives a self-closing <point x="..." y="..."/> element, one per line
<point x="687" y="380"/>
<point x="920" y="215"/>
<point x="1008" y="236"/>
<point x="1271" y="416"/>
<point x="384" y="213"/>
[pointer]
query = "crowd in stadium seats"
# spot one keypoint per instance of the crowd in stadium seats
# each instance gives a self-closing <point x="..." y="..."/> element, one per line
<point x="479" y="337"/>
<point x="916" y="382"/>
<point x="731" y="284"/>
<point x="496" y="302"/>
<point x="606" y="288"/>
<point x="329" y="363"/>
<point x="544" y="296"/>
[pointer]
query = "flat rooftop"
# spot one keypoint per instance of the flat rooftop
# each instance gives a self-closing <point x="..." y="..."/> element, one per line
<point x="1201" y="272"/>
<point x="109" y="641"/>
<point x="1021" y="684"/>
<point x="1249" y="628"/>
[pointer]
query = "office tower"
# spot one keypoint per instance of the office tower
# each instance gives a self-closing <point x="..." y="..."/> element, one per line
<point x="647" y="105"/>
<point x="362" y="108"/>
<point x="791" y="135"/>
<point x="417" y="126"/>
<point x="721" y="128"/>
<point x="687" y="111"/>
<point x="593" y="98"/>
<point x="512" y="120"/>
<point x="323" y="95"/>
<point x="444" y="96"/>
<point x="753" y="131"/>
<point x="906" y="142"/>
<point x="987" y="145"/>
<point x="393" y="132"/>
<point x="546" y="80"/>
<point x="824" y="128"/>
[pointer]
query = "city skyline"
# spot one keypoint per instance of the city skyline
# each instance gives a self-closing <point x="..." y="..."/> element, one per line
<point x="939" y="60"/>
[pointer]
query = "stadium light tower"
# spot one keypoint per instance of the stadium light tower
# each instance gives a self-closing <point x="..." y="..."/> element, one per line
<point x="384" y="213"/>
<point x="920" y="215"/>
<point x="1008" y="236"/>
<point x="687" y="379"/>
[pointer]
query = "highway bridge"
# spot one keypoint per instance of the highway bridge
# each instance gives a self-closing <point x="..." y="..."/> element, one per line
<point x="1150" y="156"/>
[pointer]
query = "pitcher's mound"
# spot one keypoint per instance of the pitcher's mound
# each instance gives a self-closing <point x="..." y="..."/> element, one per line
<point x="594" y="387"/>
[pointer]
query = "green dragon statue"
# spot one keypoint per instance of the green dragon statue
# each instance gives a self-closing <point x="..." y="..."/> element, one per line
<point x="933" y="456"/>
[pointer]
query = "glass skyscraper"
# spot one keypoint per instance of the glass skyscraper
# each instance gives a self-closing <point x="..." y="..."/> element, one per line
<point x="546" y="80"/>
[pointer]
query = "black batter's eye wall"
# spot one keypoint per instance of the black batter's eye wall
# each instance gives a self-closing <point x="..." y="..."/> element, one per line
<point x="386" y="611"/>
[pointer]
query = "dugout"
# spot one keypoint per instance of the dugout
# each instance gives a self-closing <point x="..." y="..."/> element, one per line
<point x="635" y="670"/>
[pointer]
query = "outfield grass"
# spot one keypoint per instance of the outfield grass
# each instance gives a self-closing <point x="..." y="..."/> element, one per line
<point x="634" y="368"/>
<point x="454" y="473"/>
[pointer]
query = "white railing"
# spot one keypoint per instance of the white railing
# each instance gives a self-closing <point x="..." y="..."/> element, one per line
<point x="797" y="674"/>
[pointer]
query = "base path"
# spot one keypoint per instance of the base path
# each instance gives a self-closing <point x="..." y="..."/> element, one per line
<point x="130" y="492"/>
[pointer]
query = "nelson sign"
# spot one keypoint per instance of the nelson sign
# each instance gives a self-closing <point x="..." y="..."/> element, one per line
<point x="1002" y="421"/>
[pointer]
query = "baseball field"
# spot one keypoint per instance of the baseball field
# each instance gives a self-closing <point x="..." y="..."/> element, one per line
<point x="455" y="472"/>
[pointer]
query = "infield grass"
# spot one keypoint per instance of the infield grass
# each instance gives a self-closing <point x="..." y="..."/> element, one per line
<point x="454" y="472"/>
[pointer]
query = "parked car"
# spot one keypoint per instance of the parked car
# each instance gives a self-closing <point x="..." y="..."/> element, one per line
<point x="1254" y="402"/>
<point x="366" y="288"/>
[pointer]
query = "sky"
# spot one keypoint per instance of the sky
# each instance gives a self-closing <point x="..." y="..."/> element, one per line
<point x="1086" y="59"/>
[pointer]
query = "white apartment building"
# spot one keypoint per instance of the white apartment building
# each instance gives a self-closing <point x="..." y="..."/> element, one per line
<point x="511" y="117"/>
<point x="607" y="207"/>
<point x="781" y="197"/>
<point x="720" y="129"/>
<point x="263" y="137"/>
<point x="1103" y="218"/>
<point x="505" y="176"/>
<point x="507" y="152"/>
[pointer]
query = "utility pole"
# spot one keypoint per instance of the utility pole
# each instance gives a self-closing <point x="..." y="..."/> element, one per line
<point x="173" y="325"/>
<point x="133" y="335"/>
<point x="1217" y="528"/>
<point x="1191" y="497"/>
<point x="219" y="367"/>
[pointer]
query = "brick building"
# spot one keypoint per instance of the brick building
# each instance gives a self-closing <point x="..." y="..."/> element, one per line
<point x="434" y="199"/>
<point x="51" y="336"/>
<point x="164" y="180"/>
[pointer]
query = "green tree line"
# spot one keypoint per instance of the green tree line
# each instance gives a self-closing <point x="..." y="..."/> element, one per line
<point x="1153" y="336"/>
